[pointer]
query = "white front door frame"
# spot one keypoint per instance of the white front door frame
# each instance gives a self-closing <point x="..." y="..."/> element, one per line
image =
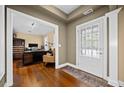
<point x="9" y="43"/>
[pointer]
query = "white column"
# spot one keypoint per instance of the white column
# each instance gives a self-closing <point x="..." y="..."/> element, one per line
<point x="113" y="47"/>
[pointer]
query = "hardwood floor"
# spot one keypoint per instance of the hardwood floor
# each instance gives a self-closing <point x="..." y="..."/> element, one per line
<point x="37" y="75"/>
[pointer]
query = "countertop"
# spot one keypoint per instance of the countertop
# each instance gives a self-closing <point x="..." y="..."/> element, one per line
<point x="31" y="51"/>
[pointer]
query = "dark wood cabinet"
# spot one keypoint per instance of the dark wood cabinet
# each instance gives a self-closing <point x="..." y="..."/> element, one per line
<point x="18" y="42"/>
<point x="18" y="52"/>
<point x="27" y="58"/>
<point x="18" y="48"/>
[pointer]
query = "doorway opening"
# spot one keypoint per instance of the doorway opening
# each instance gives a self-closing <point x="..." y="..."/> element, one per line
<point x="30" y="41"/>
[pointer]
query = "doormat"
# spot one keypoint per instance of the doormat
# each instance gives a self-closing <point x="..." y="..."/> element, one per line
<point x="89" y="79"/>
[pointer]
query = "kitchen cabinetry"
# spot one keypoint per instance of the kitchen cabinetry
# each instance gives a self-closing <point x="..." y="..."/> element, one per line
<point x="18" y="48"/>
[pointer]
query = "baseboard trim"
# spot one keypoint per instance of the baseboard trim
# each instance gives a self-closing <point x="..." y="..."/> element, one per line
<point x="72" y="65"/>
<point x="62" y="65"/>
<point x="8" y="84"/>
<point x="121" y="83"/>
<point x="113" y="83"/>
<point x="66" y="64"/>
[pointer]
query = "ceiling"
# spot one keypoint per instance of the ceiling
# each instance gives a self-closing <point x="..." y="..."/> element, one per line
<point x="28" y="25"/>
<point x="68" y="13"/>
<point x="67" y="8"/>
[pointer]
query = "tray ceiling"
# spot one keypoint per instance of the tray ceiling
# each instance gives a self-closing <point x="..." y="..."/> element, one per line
<point x="67" y="8"/>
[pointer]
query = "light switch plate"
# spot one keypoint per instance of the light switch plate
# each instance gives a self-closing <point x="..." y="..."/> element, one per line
<point x="59" y="45"/>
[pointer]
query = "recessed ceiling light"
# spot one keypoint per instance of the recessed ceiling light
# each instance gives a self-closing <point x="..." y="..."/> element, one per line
<point x="89" y="11"/>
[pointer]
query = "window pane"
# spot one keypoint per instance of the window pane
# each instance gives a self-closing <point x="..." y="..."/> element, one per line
<point x="83" y="36"/>
<point x="90" y="41"/>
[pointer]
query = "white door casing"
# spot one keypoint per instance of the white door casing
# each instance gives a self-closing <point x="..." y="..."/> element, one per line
<point x="90" y="46"/>
<point x="2" y="41"/>
<point x="9" y="48"/>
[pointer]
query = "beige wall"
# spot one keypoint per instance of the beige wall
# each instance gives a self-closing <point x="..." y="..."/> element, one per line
<point x="38" y="39"/>
<point x="121" y="45"/>
<point x="50" y="37"/>
<point x="71" y="33"/>
<point x="41" y="14"/>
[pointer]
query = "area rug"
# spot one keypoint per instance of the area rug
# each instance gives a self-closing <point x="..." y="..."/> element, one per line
<point x="85" y="77"/>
